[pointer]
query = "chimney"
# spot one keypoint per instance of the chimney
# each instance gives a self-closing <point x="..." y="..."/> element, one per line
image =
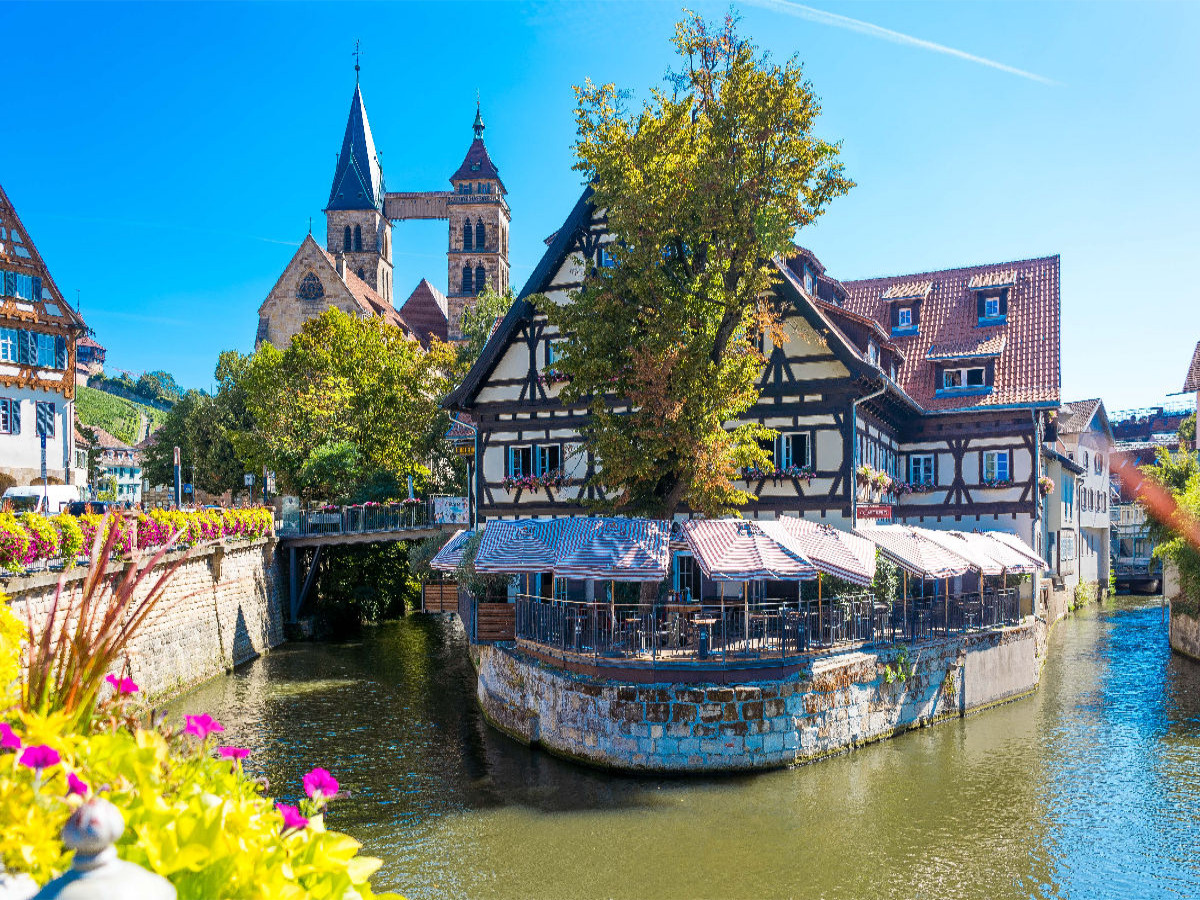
<point x="341" y="266"/>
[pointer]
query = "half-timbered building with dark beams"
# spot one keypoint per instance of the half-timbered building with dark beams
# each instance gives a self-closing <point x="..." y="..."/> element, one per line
<point x="918" y="398"/>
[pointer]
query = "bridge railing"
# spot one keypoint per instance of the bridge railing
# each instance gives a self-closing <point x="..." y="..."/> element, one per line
<point x="358" y="519"/>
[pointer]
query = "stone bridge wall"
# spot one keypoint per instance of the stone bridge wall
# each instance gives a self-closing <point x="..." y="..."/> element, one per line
<point x="1184" y="630"/>
<point x="225" y="606"/>
<point x="831" y="704"/>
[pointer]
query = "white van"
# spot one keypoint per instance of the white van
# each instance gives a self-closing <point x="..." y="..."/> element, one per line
<point x="48" y="500"/>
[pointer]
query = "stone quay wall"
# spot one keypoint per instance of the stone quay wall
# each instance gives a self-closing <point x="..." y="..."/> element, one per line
<point x="1184" y="631"/>
<point x="224" y="606"/>
<point x="824" y="706"/>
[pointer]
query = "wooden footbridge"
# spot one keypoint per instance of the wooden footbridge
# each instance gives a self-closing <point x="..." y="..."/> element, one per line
<point x="305" y="536"/>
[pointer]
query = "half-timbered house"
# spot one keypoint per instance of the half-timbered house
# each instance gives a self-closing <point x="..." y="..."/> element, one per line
<point x="918" y="398"/>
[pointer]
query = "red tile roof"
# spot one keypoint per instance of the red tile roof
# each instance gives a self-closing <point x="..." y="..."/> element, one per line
<point x="368" y="300"/>
<point x="1027" y="367"/>
<point x="425" y="311"/>
<point x="1192" y="381"/>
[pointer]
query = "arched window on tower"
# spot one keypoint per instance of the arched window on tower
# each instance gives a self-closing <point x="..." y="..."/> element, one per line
<point x="480" y="235"/>
<point x="358" y="237"/>
<point x="467" y="235"/>
<point x="346" y="238"/>
<point x="480" y="279"/>
<point x="466" y="280"/>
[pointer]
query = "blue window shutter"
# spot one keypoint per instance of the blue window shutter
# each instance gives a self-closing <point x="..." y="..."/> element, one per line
<point x="37" y="288"/>
<point x="10" y="283"/>
<point x="23" y="354"/>
<point x="16" y="416"/>
<point x="60" y="351"/>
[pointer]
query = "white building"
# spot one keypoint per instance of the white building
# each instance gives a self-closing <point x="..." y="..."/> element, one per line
<point x="1084" y="431"/>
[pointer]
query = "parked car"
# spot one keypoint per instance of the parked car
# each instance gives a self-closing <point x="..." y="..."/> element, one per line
<point x="48" y="500"/>
<point x="99" y="507"/>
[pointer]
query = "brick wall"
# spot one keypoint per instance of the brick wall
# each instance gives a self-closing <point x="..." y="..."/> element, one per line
<point x="225" y="606"/>
<point x="829" y="705"/>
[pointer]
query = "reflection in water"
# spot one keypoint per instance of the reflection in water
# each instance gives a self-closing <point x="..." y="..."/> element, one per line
<point x="1088" y="789"/>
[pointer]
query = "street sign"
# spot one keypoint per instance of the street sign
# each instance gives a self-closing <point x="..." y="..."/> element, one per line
<point x="249" y="479"/>
<point x="464" y="449"/>
<point x="875" y="511"/>
<point x="187" y="488"/>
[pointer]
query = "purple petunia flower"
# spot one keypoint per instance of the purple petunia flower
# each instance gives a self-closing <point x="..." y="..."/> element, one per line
<point x="232" y="752"/>
<point x="122" y="685"/>
<point x="40" y="757"/>
<point x="202" y="726"/>
<point x="291" y="817"/>
<point x="8" y="740"/>
<point x="76" y="785"/>
<point x="320" y="784"/>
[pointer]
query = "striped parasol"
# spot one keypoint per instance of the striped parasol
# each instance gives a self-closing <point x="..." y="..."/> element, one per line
<point x="614" y="550"/>
<point x="841" y="554"/>
<point x="1022" y="559"/>
<point x="519" y="546"/>
<point x="980" y="555"/>
<point x="913" y="551"/>
<point x="450" y="556"/>
<point x="738" y="550"/>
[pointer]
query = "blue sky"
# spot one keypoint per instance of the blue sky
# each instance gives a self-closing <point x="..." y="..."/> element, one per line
<point x="166" y="158"/>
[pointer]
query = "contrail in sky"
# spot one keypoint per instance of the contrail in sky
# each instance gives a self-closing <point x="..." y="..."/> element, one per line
<point x="800" y="11"/>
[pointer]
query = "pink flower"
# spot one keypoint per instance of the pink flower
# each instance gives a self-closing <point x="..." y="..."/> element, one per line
<point x="40" y="757"/>
<point x="320" y="784"/>
<point x="76" y="785"/>
<point x="202" y="726"/>
<point x="8" y="740"/>
<point x="122" y="685"/>
<point x="232" y="752"/>
<point x="291" y="817"/>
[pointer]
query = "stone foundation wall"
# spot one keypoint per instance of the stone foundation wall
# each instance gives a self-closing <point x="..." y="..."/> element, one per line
<point x="810" y="711"/>
<point x="225" y="606"/>
<point x="1184" y="633"/>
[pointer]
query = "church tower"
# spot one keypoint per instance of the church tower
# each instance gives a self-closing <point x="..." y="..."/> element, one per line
<point x="355" y="223"/>
<point x="479" y="218"/>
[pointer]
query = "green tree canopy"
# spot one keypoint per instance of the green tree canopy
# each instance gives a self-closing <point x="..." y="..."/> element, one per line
<point x="702" y="186"/>
<point x="201" y="426"/>
<point x="478" y="321"/>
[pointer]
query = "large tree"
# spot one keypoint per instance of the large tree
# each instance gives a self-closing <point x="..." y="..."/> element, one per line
<point x="703" y="185"/>
<point x="200" y="425"/>
<point x="349" y="400"/>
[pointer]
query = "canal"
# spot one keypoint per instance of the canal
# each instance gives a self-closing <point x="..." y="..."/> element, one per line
<point x="1088" y="789"/>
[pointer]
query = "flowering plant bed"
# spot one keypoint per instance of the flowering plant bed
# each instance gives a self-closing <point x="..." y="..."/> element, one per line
<point x="553" y="479"/>
<point x="553" y="376"/>
<point x="900" y="488"/>
<point x="997" y="482"/>
<point x="800" y="473"/>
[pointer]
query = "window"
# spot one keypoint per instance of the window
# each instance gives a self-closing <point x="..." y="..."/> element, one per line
<point x="358" y="237"/>
<point x="310" y="288"/>
<point x="1069" y="497"/>
<point x="46" y="357"/>
<point x="480" y="279"/>
<point x="8" y="345"/>
<point x="19" y="286"/>
<point x="553" y="351"/>
<point x="468" y="241"/>
<point x="466" y="280"/>
<point x="10" y="416"/>
<point x="520" y="461"/>
<point x="606" y="258"/>
<point x="346" y="238"/>
<point x="1085" y="459"/>
<point x="904" y="317"/>
<point x="45" y="419"/>
<point x="996" y="466"/>
<point x="872" y="353"/>
<point x="549" y="458"/>
<point x="953" y="379"/>
<point x="1099" y="463"/>
<point x="480" y="235"/>
<point x="810" y="281"/>
<point x="920" y="468"/>
<point x="795" y="450"/>
<point x="991" y="307"/>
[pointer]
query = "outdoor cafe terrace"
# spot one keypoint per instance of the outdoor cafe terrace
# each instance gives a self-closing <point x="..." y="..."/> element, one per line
<point x="734" y="593"/>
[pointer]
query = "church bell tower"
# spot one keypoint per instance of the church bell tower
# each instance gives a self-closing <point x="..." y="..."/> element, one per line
<point x="479" y="220"/>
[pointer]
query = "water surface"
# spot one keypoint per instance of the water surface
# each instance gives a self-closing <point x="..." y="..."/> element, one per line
<point x="1088" y="789"/>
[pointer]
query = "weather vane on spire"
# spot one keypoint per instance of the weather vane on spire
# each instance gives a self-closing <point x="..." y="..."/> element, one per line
<point x="357" y="59"/>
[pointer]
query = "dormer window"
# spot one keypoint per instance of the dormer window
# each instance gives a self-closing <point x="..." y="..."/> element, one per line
<point x="904" y="317"/>
<point x="872" y="353"/>
<point x="966" y="377"/>
<point x="810" y="281"/>
<point x="992" y="306"/>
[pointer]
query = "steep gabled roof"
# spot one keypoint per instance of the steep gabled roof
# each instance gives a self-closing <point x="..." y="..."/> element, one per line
<point x="478" y="165"/>
<point x="19" y="254"/>
<point x="1191" y="381"/>
<point x="358" y="179"/>
<point x="425" y="311"/>
<point x="1076" y="417"/>
<point x="1027" y="365"/>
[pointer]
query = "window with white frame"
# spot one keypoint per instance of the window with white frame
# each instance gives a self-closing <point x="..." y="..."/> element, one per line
<point x="991" y="307"/>
<point x="553" y="351"/>
<point x="10" y="416"/>
<point x="520" y="461"/>
<point x="996" y="466"/>
<point x="549" y="458"/>
<point x="872" y="353"/>
<point x="8" y="344"/>
<point x="1069" y="497"/>
<point x="920" y="468"/>
<point x="795" y="450"/>
<point x="904" y="317"/>
<point x="973" y="376"/>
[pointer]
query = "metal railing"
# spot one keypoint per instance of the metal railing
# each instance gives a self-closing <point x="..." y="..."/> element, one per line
<point x="708" y="634"/>
<point x="360" y="519"/>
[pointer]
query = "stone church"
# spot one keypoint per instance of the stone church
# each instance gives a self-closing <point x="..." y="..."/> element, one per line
<point x="353" y="271"/>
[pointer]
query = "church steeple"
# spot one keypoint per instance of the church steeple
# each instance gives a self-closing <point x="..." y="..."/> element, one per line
<point x="358" y="179"/>
<point x="478" y="126"/>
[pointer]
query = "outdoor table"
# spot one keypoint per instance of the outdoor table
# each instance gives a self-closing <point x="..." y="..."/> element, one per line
<point x="704" y="636"/>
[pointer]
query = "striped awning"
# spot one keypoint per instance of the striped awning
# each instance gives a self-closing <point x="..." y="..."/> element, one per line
<point x="980" y="554"/>
<point x="614" y="550"/>
<point x="1021" y="559"/>
<point x="912" y="550"/>
<point x="740" y="550"/>
<point x="450" y="556"/>
<point x="519" y="546"/>
<point x="833" y="551"/>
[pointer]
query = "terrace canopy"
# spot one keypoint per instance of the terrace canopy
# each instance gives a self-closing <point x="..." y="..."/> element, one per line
<point x="521" y="546"/>
<point x="1016" y="553"/>
<point x="614" y="550"/>
<point x="450" y="556"/>
<point x="739" y="550"/>
<point x="834" y="552"/>
<point x="981" y="555"/>
<point x="914" y="551"/>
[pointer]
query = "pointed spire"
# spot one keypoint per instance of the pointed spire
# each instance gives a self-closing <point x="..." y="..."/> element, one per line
<point x="358" y="179"/>
<point x="478" y="126"/>
<point x="478" y="165"/>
